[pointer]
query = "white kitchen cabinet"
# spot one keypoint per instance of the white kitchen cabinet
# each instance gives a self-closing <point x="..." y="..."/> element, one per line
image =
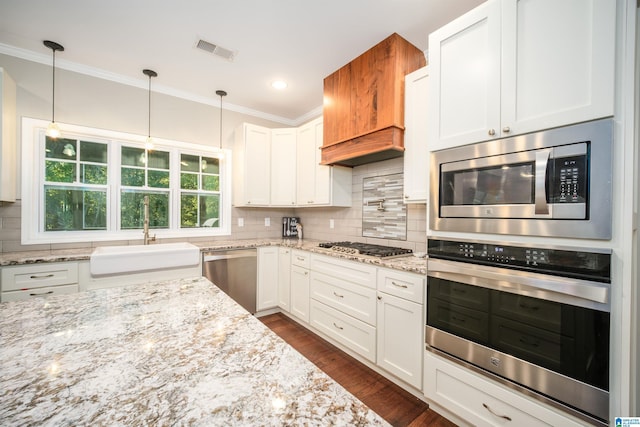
<point x="252" y="166"/>
<point x="416" y="153"/>
<point x="283" y="167"/>
<point x="8" y="141"/>
<point x="319" y="185"/>
<point x="483" y="402"/>
<point x="284" y="279"/>
<point x="510" y="67"/>
<point x="400" y="324"/>
<point x="268" y="265"/>
<point x="300" y="285"/>
<point x="23" y="282"/>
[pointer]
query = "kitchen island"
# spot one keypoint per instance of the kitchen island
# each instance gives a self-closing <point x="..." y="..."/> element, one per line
<point x="166" y="353"/>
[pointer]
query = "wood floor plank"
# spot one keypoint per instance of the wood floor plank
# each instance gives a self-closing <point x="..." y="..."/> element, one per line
<point x="397" y="406"/>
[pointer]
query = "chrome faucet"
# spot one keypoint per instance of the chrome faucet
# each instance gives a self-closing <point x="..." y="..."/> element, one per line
<point x="147" y="239"/>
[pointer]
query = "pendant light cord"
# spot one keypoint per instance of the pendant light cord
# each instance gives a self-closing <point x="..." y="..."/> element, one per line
<point x="221" y="93"/>
<point x="149" y="110"/>
<point x="53" y="90"/>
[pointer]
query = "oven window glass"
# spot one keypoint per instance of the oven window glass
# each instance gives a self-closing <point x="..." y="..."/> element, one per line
<point x="503" y="185"/>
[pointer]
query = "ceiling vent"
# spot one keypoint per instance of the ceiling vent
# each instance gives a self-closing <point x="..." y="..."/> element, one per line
<point x="216" y="50"/>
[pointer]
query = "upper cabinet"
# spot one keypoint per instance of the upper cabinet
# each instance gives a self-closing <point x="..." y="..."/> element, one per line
<point x="416" y="158"/>
<point x="8" y="142"/>
<point x="319" y="185"/>
<point x="281" y="168"/>
<point x="252" y="166"/>
<point x="364" y="104"/>
<point x="516" y="66"/>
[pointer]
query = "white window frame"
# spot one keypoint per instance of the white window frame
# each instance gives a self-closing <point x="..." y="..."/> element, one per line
<point x="33" y="158"/>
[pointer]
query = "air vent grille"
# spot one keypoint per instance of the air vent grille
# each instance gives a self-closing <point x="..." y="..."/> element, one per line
<point x="216" y="50"/>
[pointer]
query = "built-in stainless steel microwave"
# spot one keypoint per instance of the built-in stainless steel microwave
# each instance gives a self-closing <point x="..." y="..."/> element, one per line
<point x="551" y="183"/>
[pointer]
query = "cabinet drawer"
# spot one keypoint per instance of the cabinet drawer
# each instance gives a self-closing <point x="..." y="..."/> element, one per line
<point x="350" y="332"/>
<point x="39" y="275"/>
<point x="404" y="285"/>
<point x="481" y="401"/>
<point x="354" y="300"/>
<point x="351" y="271"/>
<point x="300" y="258"/>
<point x="25" y="294"/>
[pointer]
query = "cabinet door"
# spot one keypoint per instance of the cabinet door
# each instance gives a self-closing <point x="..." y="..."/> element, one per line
<point x="558" y="63"/>
<point x="267" y="278"/>
<point x="464" y="88"/>
<point x="284" y="279"/>
<point x="416" y="153"/>
<point x="300" y="293"/>
<point x="314" y="179"/>
<point x="252" y="170"/>
<point x="400" y="338"/>
<point x="283" y="167"/>
<point x="8" y="142"/>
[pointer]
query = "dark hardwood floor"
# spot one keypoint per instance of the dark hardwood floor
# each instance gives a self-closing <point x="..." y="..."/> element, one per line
<point x="399" y="407"/>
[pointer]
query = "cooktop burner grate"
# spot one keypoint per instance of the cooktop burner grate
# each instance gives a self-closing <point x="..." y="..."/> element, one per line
<point x="367" y="249"/>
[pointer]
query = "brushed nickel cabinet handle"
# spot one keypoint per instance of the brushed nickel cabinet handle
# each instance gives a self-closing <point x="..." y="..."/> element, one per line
<point x="35" y="294"/>
<point x="399" y="285"/>
<point x="46" y="276"/>
<point x="504" y="417"/>
<point x="338" y="295"/>
<point x="338" y="327"/>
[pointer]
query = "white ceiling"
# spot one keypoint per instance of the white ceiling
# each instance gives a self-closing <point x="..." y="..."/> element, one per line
<point x="295" y="40"/>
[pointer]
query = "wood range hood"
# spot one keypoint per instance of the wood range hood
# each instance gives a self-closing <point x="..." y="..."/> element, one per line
<point x="363" y="110"/>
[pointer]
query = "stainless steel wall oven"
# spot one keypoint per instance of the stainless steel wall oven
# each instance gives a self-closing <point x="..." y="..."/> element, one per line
<point x="551" y="183"/>
<point x="536" y="318"/>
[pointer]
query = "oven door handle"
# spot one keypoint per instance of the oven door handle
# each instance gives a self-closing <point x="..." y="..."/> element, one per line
<point x="560" y="289"/>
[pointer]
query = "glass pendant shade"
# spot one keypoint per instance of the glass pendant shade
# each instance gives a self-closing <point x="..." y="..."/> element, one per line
<point x="53" y="131"/>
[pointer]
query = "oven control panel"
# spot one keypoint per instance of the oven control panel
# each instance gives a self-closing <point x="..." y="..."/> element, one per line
<point x="594" y="265"/>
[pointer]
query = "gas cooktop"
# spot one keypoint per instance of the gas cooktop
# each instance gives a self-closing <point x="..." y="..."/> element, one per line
<point x="367" y="249"/>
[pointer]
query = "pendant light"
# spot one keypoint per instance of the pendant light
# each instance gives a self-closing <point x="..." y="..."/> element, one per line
<point x="53" y="131"/>
<point x="149" y="141"/>
<point x="221" y="93"/>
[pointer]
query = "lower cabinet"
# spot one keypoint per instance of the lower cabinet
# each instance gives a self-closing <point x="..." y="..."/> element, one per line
<point x="284" y="279"/>
<point x="267" y="296"/>
<point x="481" y="401"/>
<point x="300" y="285"/>
<point x="37" y="280"/>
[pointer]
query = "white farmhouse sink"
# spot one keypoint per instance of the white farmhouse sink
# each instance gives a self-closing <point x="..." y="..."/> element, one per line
<point x="136" y="258"/>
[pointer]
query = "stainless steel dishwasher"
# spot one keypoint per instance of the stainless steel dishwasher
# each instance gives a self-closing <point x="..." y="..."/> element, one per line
<point x="234" y="271"/>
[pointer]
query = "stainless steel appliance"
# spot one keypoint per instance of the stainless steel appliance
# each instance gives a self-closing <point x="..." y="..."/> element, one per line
<point x="535" y="318"/>
<point x="366" y="249"/>
<point x="551" y="183"/>
<point x="235" y="272"/>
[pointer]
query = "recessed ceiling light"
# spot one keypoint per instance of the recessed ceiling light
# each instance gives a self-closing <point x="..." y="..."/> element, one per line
<point x="279" y="84"/>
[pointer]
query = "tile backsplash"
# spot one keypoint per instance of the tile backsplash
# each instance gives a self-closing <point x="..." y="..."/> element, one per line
<point x="384" y="214"/>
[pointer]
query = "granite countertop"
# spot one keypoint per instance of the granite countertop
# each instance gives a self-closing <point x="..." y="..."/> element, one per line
<point x="167" y="353"/>
<point x="406" y="263"/>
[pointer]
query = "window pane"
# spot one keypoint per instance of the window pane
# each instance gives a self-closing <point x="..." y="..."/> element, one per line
<point x="133" y="156"/>
<point x="132" y="177"/>
<point x="158" y="179"/>
<point x="159" y="160"/>
<point x="60" y="148"/>
<point x="188" y="210"/>
<point x="93" y="174"/>
<point x="93" y="152"/>
<point x="210" y="165"/>
<point x="210" y="182"/>
<point x="189" y="163"/>
<point x="71" y="209"/>
<point x="210" y="211"/>
<point x="132" y="210"/>
<point x="188" y="181"/>
<point x="60" y="171"/>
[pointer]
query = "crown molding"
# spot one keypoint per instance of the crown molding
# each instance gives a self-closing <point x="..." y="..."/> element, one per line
<point x="142" y="84"/>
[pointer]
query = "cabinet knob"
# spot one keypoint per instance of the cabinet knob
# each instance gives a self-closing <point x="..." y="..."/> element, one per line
<point x="379" y="297"/>
<point x="406" y="196"/>
<point x="506" y="129"/>
<point x="492" y="132"/>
